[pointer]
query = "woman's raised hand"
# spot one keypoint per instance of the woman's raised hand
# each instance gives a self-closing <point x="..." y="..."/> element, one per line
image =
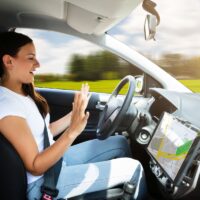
<point x="79" y="117"/>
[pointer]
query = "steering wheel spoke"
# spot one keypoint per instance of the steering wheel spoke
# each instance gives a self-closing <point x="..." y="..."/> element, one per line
<point x="115" y="109"/>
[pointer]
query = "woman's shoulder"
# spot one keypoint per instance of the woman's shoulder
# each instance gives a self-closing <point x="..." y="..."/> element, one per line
<point x="6" y="99"/>
<point x="10" y="106"/>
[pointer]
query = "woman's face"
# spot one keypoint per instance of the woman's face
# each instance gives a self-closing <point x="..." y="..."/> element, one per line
<point x="24" y="64"/>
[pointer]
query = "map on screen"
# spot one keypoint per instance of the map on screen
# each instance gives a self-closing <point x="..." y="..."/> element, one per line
<point x="171" y="143"/>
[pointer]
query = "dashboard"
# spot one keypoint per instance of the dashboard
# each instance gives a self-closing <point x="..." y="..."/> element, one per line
<point x="179" y="135"/>
<point x="160" y="105"/>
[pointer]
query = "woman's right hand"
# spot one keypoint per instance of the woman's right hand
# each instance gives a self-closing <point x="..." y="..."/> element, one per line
<point x="78" y="116"/>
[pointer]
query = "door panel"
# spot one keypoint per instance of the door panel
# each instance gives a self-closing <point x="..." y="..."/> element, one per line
<point x="60" y="103"/>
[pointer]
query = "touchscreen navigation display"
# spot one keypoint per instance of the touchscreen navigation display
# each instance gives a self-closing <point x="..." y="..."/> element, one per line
<point x="171" y="143"/>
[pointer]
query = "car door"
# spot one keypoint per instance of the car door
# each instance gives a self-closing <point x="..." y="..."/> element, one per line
<point x="60" y="103"/>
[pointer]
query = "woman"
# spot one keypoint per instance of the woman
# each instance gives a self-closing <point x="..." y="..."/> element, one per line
<point x="86" y="167"/>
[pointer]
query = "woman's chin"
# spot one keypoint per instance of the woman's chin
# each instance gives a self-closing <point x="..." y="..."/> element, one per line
<point x="32" y="78"/>
<point x="28" y="81"/>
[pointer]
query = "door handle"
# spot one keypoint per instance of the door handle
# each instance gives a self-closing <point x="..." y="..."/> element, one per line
<point x="100" y="105"/>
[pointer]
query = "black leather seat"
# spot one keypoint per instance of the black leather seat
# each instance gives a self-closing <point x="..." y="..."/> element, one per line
<point x="13" y="180"/>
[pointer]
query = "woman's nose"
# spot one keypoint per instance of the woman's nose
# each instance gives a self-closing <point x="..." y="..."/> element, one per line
<point x="37" y="64"/>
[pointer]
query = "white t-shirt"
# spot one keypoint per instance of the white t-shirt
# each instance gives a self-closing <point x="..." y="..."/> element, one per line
<point x="13" y="104"/>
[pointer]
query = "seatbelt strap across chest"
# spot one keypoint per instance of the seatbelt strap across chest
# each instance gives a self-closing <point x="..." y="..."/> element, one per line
<point x="48" y="189"/>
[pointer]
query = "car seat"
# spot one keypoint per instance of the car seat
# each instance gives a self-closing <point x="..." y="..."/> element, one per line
<point x="13" y="181"/>
<point x="12" y="172"/>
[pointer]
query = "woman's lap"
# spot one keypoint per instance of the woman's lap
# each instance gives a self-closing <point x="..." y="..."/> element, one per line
<point x="79" y="173"/>
<point x="97" y="150"/>
<point x="86" y="178"/>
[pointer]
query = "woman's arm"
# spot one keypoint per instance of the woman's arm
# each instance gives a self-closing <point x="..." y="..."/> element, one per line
<point x="20" y="136"/>
<point x="17" y="131"/>
<point x="60" y="125"/>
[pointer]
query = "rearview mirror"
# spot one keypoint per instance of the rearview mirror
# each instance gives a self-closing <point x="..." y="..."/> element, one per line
<point x="151" y="21"/>
<point x="150" y="24"/>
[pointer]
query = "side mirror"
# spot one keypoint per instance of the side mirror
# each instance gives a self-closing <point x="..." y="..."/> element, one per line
<point x="150" y="24"/>
<point x="139" y="83"/>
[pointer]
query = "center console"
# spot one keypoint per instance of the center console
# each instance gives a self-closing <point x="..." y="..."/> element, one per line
<point x="174" y="149"/>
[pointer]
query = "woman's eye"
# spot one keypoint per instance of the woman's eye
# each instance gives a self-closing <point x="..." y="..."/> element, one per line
<point x="31" y="58"/>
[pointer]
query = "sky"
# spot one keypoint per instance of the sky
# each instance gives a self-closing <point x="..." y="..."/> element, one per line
<point x="178" y="32"/>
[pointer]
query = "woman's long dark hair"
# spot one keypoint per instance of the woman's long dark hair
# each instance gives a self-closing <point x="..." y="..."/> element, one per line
<point x="10" y="43"/>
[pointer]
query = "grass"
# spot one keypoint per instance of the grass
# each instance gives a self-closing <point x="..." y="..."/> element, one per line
<point x="105" y="86"/>
<point x="194" y="85"/>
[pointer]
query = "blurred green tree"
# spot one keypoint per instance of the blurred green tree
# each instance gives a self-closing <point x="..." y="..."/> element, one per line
<point x="101" y="65"/>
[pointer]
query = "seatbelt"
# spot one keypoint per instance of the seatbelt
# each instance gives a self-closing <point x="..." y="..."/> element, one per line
<point x="48" y="189"/>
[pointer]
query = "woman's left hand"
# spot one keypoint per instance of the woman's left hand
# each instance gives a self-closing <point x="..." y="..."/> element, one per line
<point x="78" y="116"/>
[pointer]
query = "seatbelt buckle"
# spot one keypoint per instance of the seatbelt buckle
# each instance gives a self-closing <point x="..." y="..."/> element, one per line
<point x="46" y="197"/>
<point x="48" y="193"/>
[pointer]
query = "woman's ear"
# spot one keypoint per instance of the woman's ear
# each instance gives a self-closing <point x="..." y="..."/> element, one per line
<point x="7" y="61"/>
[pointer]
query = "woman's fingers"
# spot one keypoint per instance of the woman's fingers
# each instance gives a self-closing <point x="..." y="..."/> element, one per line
<point x="79" y="116"/>
<point x="76" y="100"/>
<point x="84" y="95"/>
<point x="86" y="100"/>
<point x="81" y="100"/>
<point x="85" y="89"/>
<point x="76" y="97"/>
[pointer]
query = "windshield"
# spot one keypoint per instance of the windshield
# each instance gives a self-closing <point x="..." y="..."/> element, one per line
<point x="177" y="45"/>
<point x="66" y="59"/>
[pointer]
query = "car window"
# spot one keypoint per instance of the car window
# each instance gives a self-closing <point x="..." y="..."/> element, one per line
<point x="66" y="62"/>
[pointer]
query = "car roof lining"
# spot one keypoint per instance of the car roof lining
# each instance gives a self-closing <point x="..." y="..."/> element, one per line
<point x="88" y="16"/>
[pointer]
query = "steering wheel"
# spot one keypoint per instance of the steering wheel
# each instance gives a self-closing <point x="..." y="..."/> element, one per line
<point x="115" y="110"/>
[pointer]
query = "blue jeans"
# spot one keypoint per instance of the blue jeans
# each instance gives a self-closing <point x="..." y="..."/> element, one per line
<point x="90" y="166"/>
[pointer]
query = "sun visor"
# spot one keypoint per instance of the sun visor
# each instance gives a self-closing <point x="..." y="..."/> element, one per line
<point x="97" y="17"/>
<point x="86" y="16"/>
